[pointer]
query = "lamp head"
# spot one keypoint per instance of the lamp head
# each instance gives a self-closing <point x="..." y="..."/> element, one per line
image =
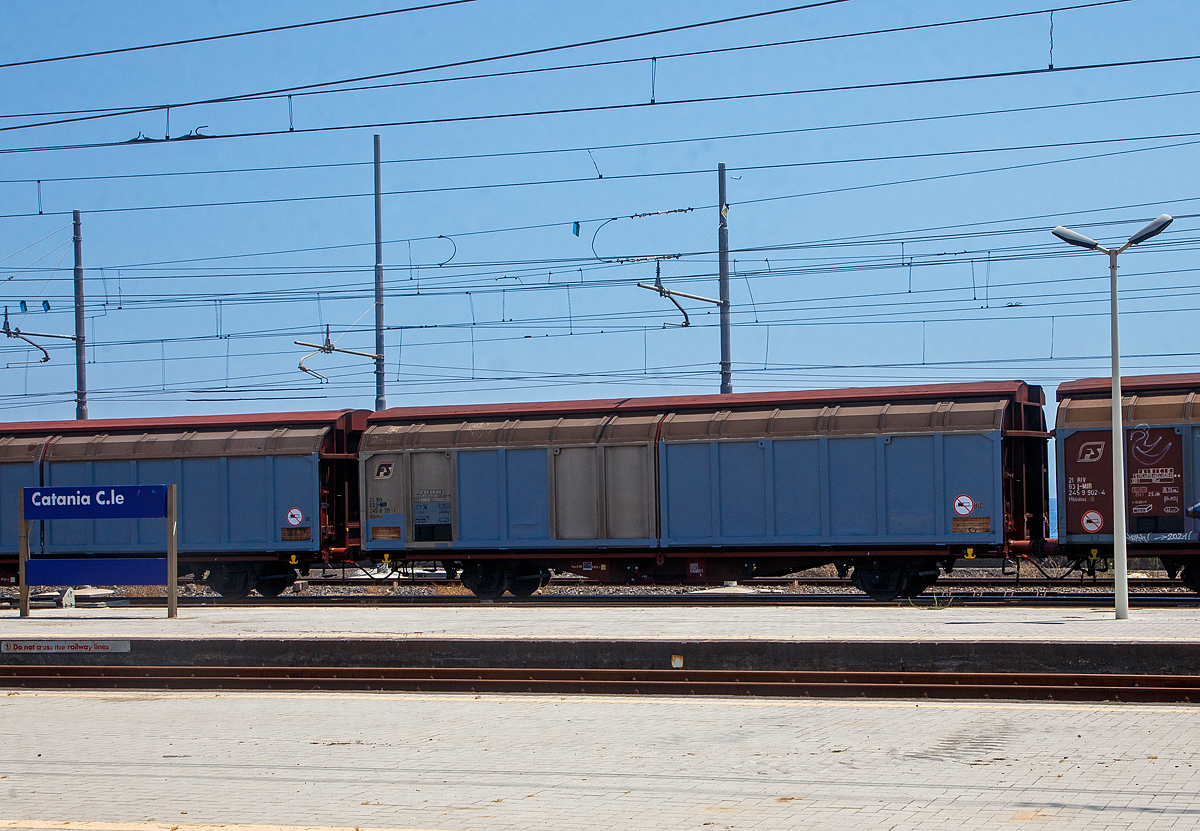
<point x="1075" y="238"/>
<point x="1153" y="228"/>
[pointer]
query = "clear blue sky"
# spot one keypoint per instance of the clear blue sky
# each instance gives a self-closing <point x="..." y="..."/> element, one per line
<point x="913" y="249"/>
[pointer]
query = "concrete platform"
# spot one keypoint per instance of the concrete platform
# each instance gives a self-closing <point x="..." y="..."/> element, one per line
<point x="1159" y="641"/>
<point x="129" y="761"/>
<point x="513" y="622"/>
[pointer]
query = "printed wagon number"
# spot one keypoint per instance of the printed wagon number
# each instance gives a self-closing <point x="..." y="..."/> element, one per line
<point x="1092" y="522"/>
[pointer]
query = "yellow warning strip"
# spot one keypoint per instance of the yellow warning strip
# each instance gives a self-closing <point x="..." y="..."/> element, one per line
<point x="69" y="825"/>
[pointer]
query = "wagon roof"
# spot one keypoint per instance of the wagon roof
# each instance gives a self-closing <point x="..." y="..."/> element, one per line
<point x="250" y="421"/>
<point x="1017" y="391"/>
<point x="1095" y="387"/>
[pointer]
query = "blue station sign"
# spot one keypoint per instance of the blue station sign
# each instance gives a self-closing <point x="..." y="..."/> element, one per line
<point x="104" y="502"/>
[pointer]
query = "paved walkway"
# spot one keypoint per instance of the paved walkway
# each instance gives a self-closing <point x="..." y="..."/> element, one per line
<point x="110" y="761"/>
<point x="648" y="623"/>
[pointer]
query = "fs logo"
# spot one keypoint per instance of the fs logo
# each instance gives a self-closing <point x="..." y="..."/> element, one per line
<point x="384" y="470"/>
<point x="1091" y="451"/>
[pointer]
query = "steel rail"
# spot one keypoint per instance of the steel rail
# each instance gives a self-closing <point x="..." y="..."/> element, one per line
<point x="1007" y="581"/>
<point x="939" y="685"/>
<point x="693" y="599"/>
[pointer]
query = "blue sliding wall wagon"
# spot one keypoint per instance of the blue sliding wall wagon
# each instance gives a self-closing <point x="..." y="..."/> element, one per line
<point x="260" y="496"/>
<point x="890" y="485"/>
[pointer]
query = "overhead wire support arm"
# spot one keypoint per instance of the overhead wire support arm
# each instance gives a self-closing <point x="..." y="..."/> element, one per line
<point x="670" y="294"/>
<point x="723" y="304"/>
<point x="327" y="348"/>
<point x="10" y="332"/>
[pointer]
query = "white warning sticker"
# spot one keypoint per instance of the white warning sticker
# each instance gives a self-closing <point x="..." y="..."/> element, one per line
<point x="64" y="646"/>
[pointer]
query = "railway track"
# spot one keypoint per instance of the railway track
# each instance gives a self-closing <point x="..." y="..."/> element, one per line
<point x="1006" y="582"/>
<point x="1032" y="598"/>
<point x="933" y="685"/>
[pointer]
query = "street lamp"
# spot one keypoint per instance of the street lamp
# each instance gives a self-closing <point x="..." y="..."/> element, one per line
<point x="1120" y="561"/>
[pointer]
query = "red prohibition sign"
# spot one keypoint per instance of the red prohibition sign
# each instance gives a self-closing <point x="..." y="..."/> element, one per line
<point x="1092" y="522"/>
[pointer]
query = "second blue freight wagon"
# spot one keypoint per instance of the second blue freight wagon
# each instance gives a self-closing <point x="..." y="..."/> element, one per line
<point x="891" y="485"/>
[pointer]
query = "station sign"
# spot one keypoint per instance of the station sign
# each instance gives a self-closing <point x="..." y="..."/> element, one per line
<point x="91" y="502"/>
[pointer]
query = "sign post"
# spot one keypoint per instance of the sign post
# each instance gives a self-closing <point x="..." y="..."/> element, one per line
<point x="23" y="543"/>
<point x="172" y="556"/>
<point x="103" y="502"/>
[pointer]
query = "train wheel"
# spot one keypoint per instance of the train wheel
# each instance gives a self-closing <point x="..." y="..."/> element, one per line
<point x="1191" y="576"/>
<point x="487" y="582"/>
<point x="525" y="586"/>
<point x="915" y="585"/>
<point x="894" y="578"/>
<point x="881" y="581"/>
<point x="529" y="581"/>
<point x="274" y="579"/>
<point x="919" y="575"/>
<point x="231" y="580"/>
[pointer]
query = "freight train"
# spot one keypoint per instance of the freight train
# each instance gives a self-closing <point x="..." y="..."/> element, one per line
<point x="893" y="486"/>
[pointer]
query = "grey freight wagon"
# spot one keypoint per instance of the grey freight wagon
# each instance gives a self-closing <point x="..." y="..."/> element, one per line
<point x="888" y="484"/>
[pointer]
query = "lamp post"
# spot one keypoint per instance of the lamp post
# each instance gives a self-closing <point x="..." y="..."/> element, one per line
<point x="1120" y="559"/>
